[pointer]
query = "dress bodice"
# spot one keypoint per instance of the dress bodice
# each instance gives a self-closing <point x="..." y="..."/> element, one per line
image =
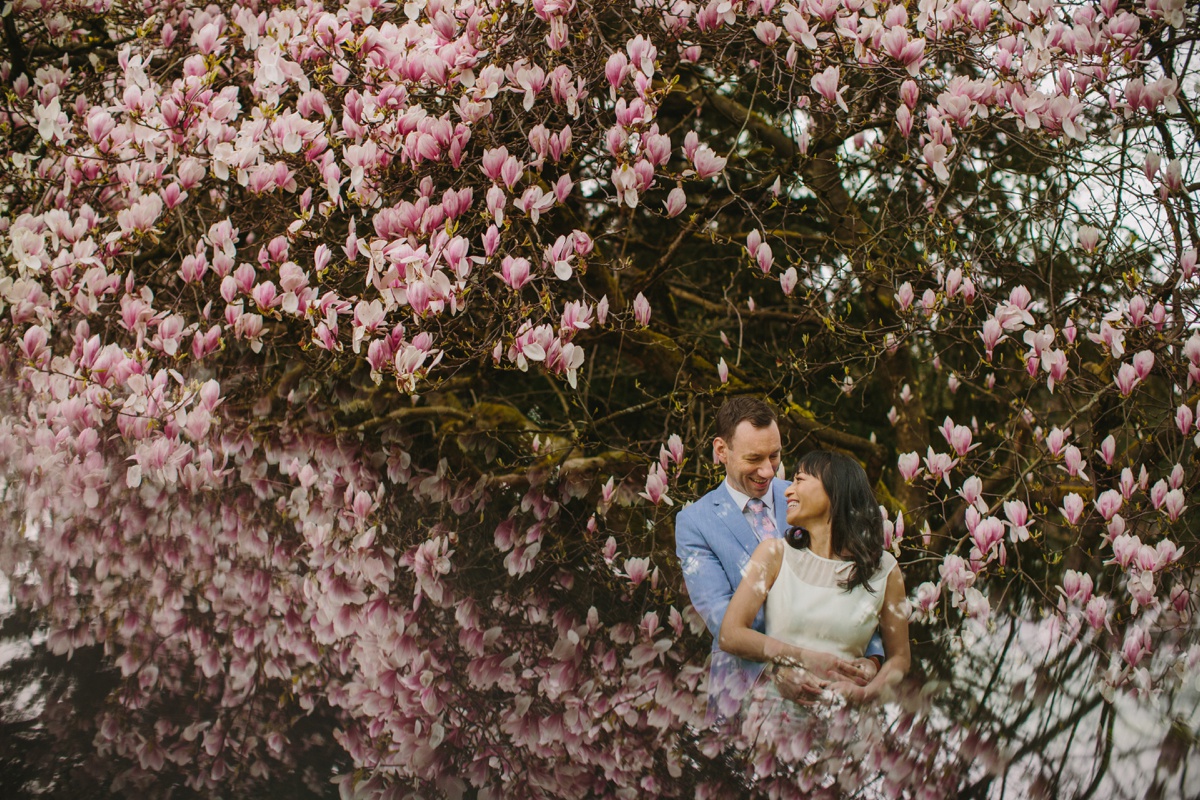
<point x="807" y="607"/>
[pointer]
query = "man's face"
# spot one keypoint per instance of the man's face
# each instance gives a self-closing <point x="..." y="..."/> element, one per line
<point x="751" y="457"/>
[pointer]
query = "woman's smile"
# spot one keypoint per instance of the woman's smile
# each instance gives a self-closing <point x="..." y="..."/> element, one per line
<point x="808" y="502"/>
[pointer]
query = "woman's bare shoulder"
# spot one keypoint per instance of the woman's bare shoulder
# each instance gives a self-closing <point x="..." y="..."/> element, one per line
<point x="770" y="548"/>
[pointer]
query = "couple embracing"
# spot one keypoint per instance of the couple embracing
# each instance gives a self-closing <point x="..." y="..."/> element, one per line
<point x="791" y="579"/>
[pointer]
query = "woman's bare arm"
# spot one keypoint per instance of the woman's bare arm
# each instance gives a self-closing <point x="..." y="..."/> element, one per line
<point x="893" y="626"/>
<point x="740" y="639"/>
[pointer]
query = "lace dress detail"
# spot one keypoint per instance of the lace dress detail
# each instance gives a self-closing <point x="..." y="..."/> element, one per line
<point x="807" y="607"/>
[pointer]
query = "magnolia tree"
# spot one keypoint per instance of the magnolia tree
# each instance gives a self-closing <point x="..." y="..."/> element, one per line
<point x="357" y="357"/>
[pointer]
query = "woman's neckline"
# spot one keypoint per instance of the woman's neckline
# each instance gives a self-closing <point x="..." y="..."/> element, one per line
<point x="809" y="550"/>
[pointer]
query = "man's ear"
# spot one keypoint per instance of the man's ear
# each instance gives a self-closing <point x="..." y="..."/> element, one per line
<point x="720" y="450"/>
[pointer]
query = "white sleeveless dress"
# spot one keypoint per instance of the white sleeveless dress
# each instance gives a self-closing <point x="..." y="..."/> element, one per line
<point x="808" y="608"/>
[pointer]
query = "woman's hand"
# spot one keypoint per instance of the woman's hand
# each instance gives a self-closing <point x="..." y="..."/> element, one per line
<point x="867" y="669"/>
<point x="853" y="692"/>
<point x="831" y="668"/>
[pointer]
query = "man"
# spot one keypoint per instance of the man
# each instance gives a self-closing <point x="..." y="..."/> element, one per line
<point x="715" y="536"/>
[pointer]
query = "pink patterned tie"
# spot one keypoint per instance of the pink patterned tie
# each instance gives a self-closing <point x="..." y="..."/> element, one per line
<point x="760" y="519"/>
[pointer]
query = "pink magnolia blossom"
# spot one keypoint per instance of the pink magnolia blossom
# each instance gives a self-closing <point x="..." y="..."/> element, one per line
<point x="959" y="439"/>
<point x="796" y="25"/>
<point x="767" y="32"/>
<point x="1109" y="503"/>
<point x="616" y="70"/>
<point x="992" y="334"/>
<point x="1166" y="553"/>
<point x="656" y="486"/>
<point x="1184" y="419"/>
<point x="576" y="316"/>
<point x="1072" y="508"/>
<point x="1018" y="518"/>
<point x="909" y="465"/>
<point x="1143" y="362"/>
<point x="897" y="45"/>
<point x="939" y="465"/>
<point x="642" y="54"/>
<point x="1127" y="379"/>
<point x="1176" y="478"/>
<point x="1054" y="362"/>
<point x="1174" y="504"/>
<point x="988" y="534"/>
<point x="927" y="597"/>
<point x="641" y="310"/>
<point x="1073" y="462"/>
<point x="1096" y="612"/>
<point x="1136" y="311"/>
<point x="1173" y="176"/>
<point x="675" y="448"/>
<point x="515" y="271"/>
<point x="1128" y="484"/>
<point x="1180" y="600"/>
<point x="676" y="202"/>
<point x="1088" y="238"/>
<point x="1137" y="646"/>
<point x="1056" y="440"/>
<point x="1187" y="264"/>
<point x="935" y="158"/>
<point x="972" y="492"/>
<point x="607" y="491"/>
<point x="826" y="84"/>
<point x="1125" y="549"/>
<point x="1077" y="587"/>
<point x="788" y="280"/>
<point x="957" y="576"/>
<point x="706" y="162"/>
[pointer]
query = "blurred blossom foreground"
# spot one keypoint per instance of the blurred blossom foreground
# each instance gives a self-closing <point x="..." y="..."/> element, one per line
<point x="357" y="357"/>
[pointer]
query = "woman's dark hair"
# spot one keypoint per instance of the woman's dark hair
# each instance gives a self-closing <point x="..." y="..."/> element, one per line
<point x="856" y="524"/>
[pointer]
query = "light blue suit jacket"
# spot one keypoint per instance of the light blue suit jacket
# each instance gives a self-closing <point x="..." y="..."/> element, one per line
<point x="714" y="542"/>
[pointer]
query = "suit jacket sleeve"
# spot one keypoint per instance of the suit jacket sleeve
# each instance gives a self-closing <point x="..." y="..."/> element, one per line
<point x="707" y="584"/>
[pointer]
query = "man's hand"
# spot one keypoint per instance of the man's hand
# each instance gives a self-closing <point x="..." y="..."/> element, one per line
<point x="798" y="685"/>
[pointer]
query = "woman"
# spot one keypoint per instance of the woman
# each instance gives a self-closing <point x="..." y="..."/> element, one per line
<point x="827" y="585"/>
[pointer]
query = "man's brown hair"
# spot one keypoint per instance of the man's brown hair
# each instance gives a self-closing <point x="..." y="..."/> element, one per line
<point x="737" y="409"/>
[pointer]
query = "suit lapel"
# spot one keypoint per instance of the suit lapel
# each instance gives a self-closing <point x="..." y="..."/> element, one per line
<point x="727" y="511"/>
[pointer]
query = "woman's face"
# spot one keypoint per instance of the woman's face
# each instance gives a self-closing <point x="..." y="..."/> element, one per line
<point x="808" y="504"/>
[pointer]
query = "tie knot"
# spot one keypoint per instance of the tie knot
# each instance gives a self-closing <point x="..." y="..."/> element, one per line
<point x="756" y="504"/>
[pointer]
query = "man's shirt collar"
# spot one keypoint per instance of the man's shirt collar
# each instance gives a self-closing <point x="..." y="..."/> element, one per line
<point x="740" y="498"/>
